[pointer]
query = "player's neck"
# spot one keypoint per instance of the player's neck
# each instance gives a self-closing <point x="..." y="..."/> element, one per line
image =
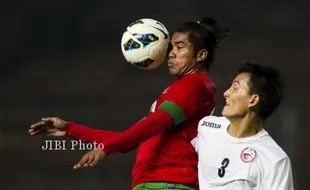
<point x="245" y="127"/>
<point x="199" y="69"/>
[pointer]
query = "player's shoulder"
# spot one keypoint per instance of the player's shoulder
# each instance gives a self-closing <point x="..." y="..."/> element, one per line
<point x="213" y="122"/>
<point x="272" y="149"/>
<point x="196" y="80"/>
<point x="273" y="156"/>
<point x="214" y="118"/>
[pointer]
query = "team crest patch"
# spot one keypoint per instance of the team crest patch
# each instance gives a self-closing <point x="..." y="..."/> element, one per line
<point x="248" y="155"/>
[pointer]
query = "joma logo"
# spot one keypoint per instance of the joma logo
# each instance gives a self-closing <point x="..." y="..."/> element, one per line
<point x="210" y="124"/>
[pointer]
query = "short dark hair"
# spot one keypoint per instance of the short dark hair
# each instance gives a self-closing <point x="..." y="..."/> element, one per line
<point x="206" y="33"/>
<point x="265" y="81"/>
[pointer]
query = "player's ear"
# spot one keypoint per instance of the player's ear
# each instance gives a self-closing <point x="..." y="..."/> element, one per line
<point x="254" y="100"/>
<point x="202" y="55"/>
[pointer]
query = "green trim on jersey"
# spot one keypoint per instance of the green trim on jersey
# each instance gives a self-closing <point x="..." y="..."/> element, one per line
<point x="162" y="186"/>
<point x="174" y="111"/>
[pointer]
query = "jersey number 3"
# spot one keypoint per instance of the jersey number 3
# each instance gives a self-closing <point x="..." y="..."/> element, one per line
<point x="221" y="170"/>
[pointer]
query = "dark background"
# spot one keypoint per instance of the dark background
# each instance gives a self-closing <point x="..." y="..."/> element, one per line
<point x="62" y="58"/>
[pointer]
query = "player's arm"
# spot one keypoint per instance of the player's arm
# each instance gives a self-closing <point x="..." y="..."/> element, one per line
<point x="183" y="101"/>
<point x="87" y="134"/>
<point x="54" y="126"/>
<point x="279" y="177"/>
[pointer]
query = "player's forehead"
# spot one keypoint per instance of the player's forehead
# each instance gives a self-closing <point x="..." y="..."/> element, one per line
<point x="242" y="80"/>
<point x="180" y="38"/>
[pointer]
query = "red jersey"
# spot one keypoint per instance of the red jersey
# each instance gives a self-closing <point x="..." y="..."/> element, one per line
<point x="165" y="153"/>
<point x="169" y="155"/>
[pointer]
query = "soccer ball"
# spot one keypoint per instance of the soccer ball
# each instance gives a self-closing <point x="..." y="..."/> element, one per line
<point x="145" y="42"/>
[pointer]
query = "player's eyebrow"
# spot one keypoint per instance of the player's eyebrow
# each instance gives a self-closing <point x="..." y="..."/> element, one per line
<point x="236" y="81"/>
<point x="179" y="42"/>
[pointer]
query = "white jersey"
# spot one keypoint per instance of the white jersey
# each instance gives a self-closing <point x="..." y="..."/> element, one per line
<point x="228" y="163"/>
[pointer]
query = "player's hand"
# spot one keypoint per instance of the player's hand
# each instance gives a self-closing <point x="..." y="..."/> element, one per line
<point x="50" y="126"/>
<point x="90" y="159"/>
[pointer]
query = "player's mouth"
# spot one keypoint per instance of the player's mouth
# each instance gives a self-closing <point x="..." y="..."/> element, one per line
<point x="226" y="103"/>
<point x="170" y="64"/>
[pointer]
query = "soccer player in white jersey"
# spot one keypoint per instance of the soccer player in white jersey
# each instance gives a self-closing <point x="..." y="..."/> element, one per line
<point x="235" y="151"/>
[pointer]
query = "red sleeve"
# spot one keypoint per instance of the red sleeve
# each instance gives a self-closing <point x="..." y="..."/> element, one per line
<point x="153" y="124"/>
<point x="87" y="134"/>
<point x="184" y="99"/>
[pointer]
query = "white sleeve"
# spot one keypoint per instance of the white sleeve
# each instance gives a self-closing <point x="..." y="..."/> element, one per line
<point x="194" y="143"/>
<point x="279" y="177"/>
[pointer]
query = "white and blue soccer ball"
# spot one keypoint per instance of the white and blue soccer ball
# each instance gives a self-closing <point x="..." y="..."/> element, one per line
<point x="145" y="42"/>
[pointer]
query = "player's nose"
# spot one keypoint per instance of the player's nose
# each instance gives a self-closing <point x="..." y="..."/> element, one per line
<point x="226" y="94"/>
<point x="172" y="54"/>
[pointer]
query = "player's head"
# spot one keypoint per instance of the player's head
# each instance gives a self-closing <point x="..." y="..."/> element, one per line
<point x="256" y="89"/>
<point x="193" y="45"/>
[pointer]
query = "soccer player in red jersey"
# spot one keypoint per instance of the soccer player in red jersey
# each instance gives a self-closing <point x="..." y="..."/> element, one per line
<point x="165" y="157"/>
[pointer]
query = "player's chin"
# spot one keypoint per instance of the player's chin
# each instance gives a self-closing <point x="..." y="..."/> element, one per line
<point x="225" y="112"/>
<point x="172" y="71"/>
